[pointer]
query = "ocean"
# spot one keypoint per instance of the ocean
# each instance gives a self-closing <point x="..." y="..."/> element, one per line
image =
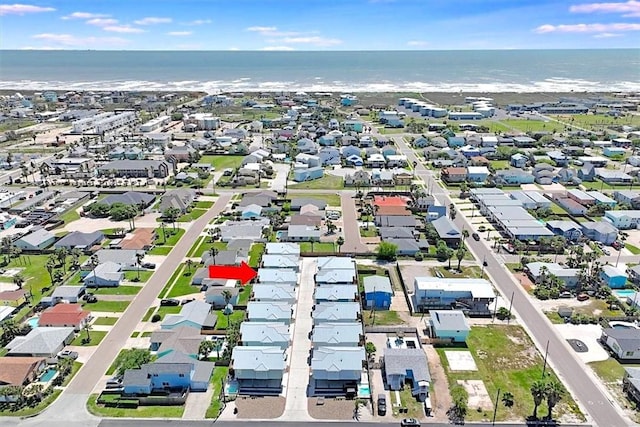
<point x="335" y="71"/>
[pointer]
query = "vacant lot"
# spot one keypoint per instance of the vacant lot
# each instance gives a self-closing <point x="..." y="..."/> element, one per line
<point x="329" y="182"/>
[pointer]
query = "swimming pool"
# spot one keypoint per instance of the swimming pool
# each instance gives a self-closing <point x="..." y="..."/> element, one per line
<point x="33" y="322"/>
<point x="48" y="375"/>
<point x="624" y="293"/>
<point x="232" y="388"/>
<point x="364" y="390"/>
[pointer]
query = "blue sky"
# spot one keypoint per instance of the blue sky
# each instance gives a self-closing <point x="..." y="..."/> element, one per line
<point x="318" y="25"/>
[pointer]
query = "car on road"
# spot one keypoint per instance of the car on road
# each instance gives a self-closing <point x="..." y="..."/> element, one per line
<point x="382" y="404"/>
<point x="410" y="422"/>
<point x="476" y="237"/>
<point x="68" y="354"/>
<point x="169" y="302"/>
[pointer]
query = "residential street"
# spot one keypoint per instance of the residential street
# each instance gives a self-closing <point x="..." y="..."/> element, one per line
<point x="352" y="242"/>
<point x="580" y="381"/>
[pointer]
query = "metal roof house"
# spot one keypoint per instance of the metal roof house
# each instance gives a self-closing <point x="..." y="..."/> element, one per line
<point x="336" y="370"/>
<point x="336" y="312"/>
<point x="568" y="276"/>
<point x="283" y="248"/>
<point x="258" y="370"/>
<point x="334" y="277"/>
<point x="600" y="231"/>
<point x="336" y="293"/>
<point x="41" y="342"/>
<point x="625" y="343"/>
<point x="474" y="295"/>
<point x="36" y="241"/>
<point x="277" y="275"/>
<point x="196" y="314"/>
<point x="377" y="292"/>
<point x="274" y="292"/>
<point x="447" y="230"/>
<point x="265" y="334"/>
<point x="449" y="325"/>
<point x="281" y="261"/>
<point x="270" y="311"/>
<point x="337" y="335"/>
<point x="80" y="240"/>
<point x="107" y="274"/>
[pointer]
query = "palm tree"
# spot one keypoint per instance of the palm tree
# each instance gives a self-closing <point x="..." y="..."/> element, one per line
<point x="452" y="211"/>
<point x="212" y="234"/>
<point x="508" y="399"/>
<point x="465" y="234"/>
<point x="538" y="392"/>
<point x="554" y="393"/>
<point x="227" y="298"/>
<point x="189" y="264"/>
<point x="50" y="266"/>
<point x="87" y="328"/>
<point x="18" y="280"/>
<point x="213" y="252"/>
<point x="340" y="242"/>
<point x="61" y="254"/>
<point x="94" y="262"/>
<point x="75" y="258"/>
<point x="139" y="257"/>
<point x="460" y="253"/>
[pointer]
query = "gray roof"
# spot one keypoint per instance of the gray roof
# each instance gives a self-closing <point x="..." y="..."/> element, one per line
<point x="336" y="293"/>
<point x="107" y="271"/>
<point x="239" y="244"/>
<point x="269" y="310"/>
<point x="446" y="228"/>
<point x="265" y="332"/>
<point x="303" y="231"/>
<point x="249" y="230"/>
<point x="179" y="198"/>
<point x="119" y="256"/>
<point x="132" y="165"/>
<point x="397" y="361"/>
<point x="183" y="339"/>
<point x="79" y="239"/>
<point x="450" y="320"/>
<point x="336" y="311"/>
<point x="228" y="257"/>
<point x="377" y="284"/>
<point x="336" y="333"/>
<point x="335" y="276"/>
<point x="298" y="202"/>
<point x="336" y="263"/>
<point x="277" y="275"/>
<point x="65" y="292"/>
<point x="563" y="225"/>
<point x="627" y="338"/>
<point x="280" y="261"/>
<point x="337" y="359"/>
<point x="197" y="312"/>
<point x="282" y="248"/>
<point x="396" y="232"/>
<point x="405" y="245"/>
<point x="603" y="227"/>
<point x="258" y="359"/>
<point x="396" y="221"/>
<point x="274" y="292"/>
<point x="129" y="198"/>
<point x="40" y="341"/>
<point x="36" y="237"/>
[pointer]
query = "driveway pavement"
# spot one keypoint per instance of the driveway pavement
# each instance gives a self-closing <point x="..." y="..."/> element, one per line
<point x="589" y="335"/>
<point x="197" y="404"/>
<point x="351" y="228"/>
<point x="279" y="181"/>
<point x="298" y="378"/>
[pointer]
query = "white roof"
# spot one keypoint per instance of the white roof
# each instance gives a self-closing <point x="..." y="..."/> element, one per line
<point x="479" y="288"/>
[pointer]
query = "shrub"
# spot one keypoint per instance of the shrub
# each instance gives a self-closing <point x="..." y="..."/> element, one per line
<point x="155" y="318"/>
<point x="418" y="256"/>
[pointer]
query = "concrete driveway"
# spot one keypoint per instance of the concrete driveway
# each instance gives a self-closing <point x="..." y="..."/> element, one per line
<point x="351" y="228"/>
<point x="589" y="335"/>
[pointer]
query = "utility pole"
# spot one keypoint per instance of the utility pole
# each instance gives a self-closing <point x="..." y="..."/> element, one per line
<point x="544" y="366"/>
<point x="513" y="294"/>
<point x="495" y="408"/>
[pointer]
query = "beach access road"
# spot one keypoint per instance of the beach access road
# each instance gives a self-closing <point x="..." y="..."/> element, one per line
<point x="579" y="380"/>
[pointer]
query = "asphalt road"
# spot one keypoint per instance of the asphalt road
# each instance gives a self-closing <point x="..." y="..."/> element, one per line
<point x="352" y="242"/>
<point x="580" y="382"/>
<point x="71" y="403"/>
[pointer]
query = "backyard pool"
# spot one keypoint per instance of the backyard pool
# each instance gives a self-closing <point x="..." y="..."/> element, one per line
<point x="232" y="388"/>
<point x="279" y="234"/>
<point x="364" y="391"/>
<point x="33" y="322"/>
<point x="624" y="293"/>
<point x="48" y="375"/>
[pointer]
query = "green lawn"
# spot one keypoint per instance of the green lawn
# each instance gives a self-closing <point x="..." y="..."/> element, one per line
<point x="107" y="306"/>
<point x="182" y="284"/>
<point x="70" y="216"/>
<point x="105" y="321"/>
<point x="132" y="276"/>
<point x="223" y="162"/>
<point x="118" y="290"/>
<point x="27" y="412"/>
<point x="510" y="348"/>
<point x="473" y="271"/>
<point x="193" y="215"/>
<point x="499" y="164"/>
<point x="633" y="249"/>
<point x="148" y="314"/>
<point x="203" y="244"/>
<point x="255" y="254"/>
<point x="162" y="311"/>
<point x="610" y="370"/>
<point x="556" y="209"/>
<point x="245" y="294"/>
<point x="237" y="315"/>
<point x="139" y="412"/>
<point x="599" y="185"/>
<point x="370" y="232"/>
<point x="329" y="182"/>
<point x="554" y="317"/>
<point x="532" y="125"/>
<point x="204" y="205"/>
<point x="414" y="408"/>
<point x="172" y="236"/>
<point x="74" y="370"/>
<point x="160" y="250"/>
<point x="219" y="374"/>
<point x="332" y="199"/>
<point x="96" y="338"/>
<point x="317" y="247"/>
<point x="381" y="317"/>
<point x="598" y="121"/>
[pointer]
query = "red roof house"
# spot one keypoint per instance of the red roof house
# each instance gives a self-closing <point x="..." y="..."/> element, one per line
<point x="64" y="315"/>
<point x="390" y="201"/>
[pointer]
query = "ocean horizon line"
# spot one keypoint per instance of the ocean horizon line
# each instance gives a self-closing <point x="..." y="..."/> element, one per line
<point x="321" y="50"/>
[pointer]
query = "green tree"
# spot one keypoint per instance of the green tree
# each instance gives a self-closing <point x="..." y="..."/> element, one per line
<point x="507" y="399"/>
<point x="460" y="400"/>
<point x="206" y="347"/>
<point x="132" y="358"/>
<point x="171" y="214"/>
<point x="18" y="280"/>
<point x="50" y="266"/>
<point x="100" y="210"/>
<point x="370" y="349"/>
<point x="460" y="253"/>
<point x="538" y="392"/>
<point x="189" y="263"/>
<point x="340" y="242"/>
<point x="554" y="393"/>
<point x="387" y="251"/>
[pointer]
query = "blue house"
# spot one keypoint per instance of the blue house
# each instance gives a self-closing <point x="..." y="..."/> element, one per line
<point x="309" y="174"/>
<point x="7" y="221"/>
<point x="613" y="151"/>
<point x="613" y="277"/>
<point x="329" y="156"/>
<point x="570" y="230"/>
<point x="351" y="150"/>
<point x="470" y="151"/>
<point x="513" y="177"/>
<point x="450" y="324"/>
<point x="587" y="172"/>
<point x="477" y="173"/>
<point x="519" y="160"/>
<point x="388" y="150"/>
<point x="353" y="125"/>
<point x="348" y="100"/>
<point x="456" y="141"/>
<point x="327" y="140"/>
<point x="377" y="292"/>
<point x="252" y="211"/>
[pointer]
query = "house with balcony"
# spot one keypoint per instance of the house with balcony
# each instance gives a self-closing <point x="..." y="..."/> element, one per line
<point x="265" y="334"/>
<point x="474" y="295"/>
<point x="336" y="371"/>
<point x="336" y="312"/>
<point x="337" y="335"/>
<point x="258" y="370"/>
<point x="270" y="311"/>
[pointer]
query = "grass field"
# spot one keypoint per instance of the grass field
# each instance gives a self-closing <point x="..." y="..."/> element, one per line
<point x="182" y="283"/>
<point x="172" y="236"/>
<point x="237" y="315"/>
<point x="381" y="317"/>
<point x="118" y="290"/>
<point x="132" y="276"/>
<point x="473" y="271"/>
<point x="105" y="321"/>
<point x="499" y="164"/>
<point x="96" y="338"/>
<point x="223" y="162"/>
<point x="219" y="374"/>
<point x="107" y="306"/>
<point x="70" y="216"/>
<point x="317" y="247"/>
<point x="245" y="294"/>
<point x="533" y="125"/>
<point x="255" y="254"/>
<point x="597" y="121"/>
<point x="509" y="348"/>
<point x="160" y="250"/>
<point x="163" y="311"/>
<point x="139" y="412"/>
<point x="203" y="244"/>
<point x="203" y="205"/>
<point x="332" y="199"/>
<point x="329" y="182"/>
<point x="633" y="249"/>
<point x="193" y="215"/>
<point x="609" y="370"/>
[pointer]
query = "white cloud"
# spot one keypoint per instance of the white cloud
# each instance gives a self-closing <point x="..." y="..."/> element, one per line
<point x="273" y="32"/>
<point x="22" y="9"/>
<point x="629" y="9"/>
<point x="199" y="22"/>
<point x="85" y="15"/>
<point x="277" y="48"/>
<point x="314" y="40"/>
<point x="587" y="28"/>
<point x="262" y="29"/>
<point x="606" y="35"/>
<point x="179" y="33"/>
<point x="417" y="43"/>
<point x="123" y="29"/>
<point x="69" y="40"/>
<point x="152" y="20"/>
<point x="102" y="22"/>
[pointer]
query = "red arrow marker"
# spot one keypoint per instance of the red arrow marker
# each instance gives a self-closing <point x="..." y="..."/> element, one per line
<point x="244" y="273"/>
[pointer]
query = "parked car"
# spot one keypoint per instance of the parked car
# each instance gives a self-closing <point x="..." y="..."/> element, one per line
<point x="583" y="297"/>
<point x="617" y="245"/>
<point x="565" y="294"/>
<point x="86" y="296"/>
<point x="187" y="301"/>
<point x="382" y="404"/>
<point x="68" y="354"/>
<point x="169" y="302"/>
<point x="91" y="299"/>
<point x="115" y="382"/>
<point x="409" y="422"/>
<point x="476" y="237"/>
<point x="606" y="251"/>
<point x="148" y="265"/>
